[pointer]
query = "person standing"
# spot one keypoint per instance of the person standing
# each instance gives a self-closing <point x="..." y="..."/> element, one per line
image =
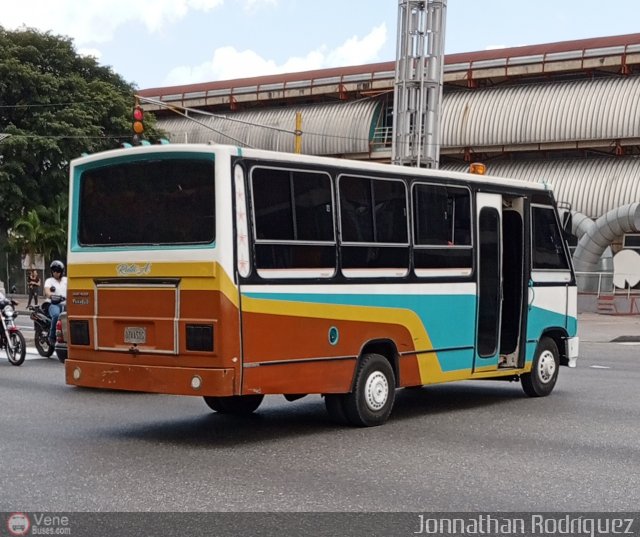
<point x="34" y="287"/>
<point x="55" y="289"/>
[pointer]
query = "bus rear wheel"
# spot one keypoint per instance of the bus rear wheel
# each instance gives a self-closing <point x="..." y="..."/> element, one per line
<point x="235" y="404"/>
<point x="373" y="394"/>
<point x="544" y="370"/>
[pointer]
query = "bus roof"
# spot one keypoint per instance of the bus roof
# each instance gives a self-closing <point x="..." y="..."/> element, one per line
<point x="307" y="159"/>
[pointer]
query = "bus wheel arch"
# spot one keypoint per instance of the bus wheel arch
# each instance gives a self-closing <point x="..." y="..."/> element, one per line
<point x="559" y="336"/>
<point x="543" y="376"/>
<point x="385" y="348"/>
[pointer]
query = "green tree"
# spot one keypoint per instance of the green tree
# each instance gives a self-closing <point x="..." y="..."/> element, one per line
<point x="41" y="231"/>
<point x="56" y="105"/>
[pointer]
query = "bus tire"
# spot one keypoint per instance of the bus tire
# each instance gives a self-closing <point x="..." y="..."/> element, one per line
<point x="371" y="401"/>
<point x="544" y="370"/>
<point x="334" y="402"/>
<point x="235" y="404"/>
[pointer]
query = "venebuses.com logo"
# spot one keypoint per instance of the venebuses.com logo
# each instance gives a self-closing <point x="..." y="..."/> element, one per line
<point x="18" y="524"/>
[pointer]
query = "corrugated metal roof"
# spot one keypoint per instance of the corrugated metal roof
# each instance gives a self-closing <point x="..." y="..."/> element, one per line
<point x="576" y="111"/>
<point x="591" y="186"/>
<point x="620" y="45"/>
<point x="328" y="129"/>
<point x="593" y="109"/>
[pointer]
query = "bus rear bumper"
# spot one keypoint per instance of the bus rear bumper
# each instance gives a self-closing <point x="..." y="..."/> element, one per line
<point x="151" y="379"/>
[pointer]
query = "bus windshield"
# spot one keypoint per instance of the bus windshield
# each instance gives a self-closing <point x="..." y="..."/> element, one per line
<point x="150" y="202"/>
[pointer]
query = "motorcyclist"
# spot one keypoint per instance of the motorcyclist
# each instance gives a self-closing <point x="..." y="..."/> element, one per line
<point x="55" y="289"/>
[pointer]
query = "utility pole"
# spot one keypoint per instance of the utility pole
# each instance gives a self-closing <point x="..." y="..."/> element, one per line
<point x="418" y="83"/>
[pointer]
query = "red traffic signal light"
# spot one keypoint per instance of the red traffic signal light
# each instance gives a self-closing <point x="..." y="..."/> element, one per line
<point x="138" y="120"/>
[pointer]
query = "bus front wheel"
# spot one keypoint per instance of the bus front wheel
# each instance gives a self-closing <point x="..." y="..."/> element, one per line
<point x="544" y="370"/>
<point x="371" y="401"/>
<point x="235" y="404"/>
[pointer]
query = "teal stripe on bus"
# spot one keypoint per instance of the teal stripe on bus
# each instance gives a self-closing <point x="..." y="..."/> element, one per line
<point x="454" y="329"/>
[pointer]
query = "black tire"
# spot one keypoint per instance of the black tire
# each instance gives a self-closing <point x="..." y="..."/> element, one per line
<point x="43" y="346"/>
<point x="61" y="354"/>
<point x="235" y="404"/>
<point x="544" y="370"/>
<point x="373" y="394"/>
<point x="16" y="348"/>
<point x="334" y="402"/>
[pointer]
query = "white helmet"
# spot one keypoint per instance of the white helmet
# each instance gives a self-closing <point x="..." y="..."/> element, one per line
<point x="57" y="266"/>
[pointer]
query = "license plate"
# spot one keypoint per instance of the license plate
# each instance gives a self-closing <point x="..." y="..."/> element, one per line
<point x="135" y="334"/>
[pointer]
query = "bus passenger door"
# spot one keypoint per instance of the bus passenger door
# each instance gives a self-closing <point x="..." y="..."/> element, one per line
<point x="489" y="278"/>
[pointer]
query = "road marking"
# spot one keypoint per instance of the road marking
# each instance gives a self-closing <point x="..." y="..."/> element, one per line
<point x="600" y="367"/>
<point x="32" y="354"/>
<point x="634" y="340"/>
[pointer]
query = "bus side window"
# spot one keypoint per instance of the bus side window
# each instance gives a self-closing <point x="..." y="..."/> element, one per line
<point x="547" y="243"/>
<point x="442" y="230"/>
<point x="293" y="219"/>
<point x="373" y="226"/>
<point x="355" y="210"/>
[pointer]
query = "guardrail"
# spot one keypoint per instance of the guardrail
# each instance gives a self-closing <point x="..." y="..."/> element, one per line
<point x="602" y="283"/>
<point x="382" y="138"/>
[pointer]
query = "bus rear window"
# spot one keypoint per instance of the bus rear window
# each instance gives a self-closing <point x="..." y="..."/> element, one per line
<point x="147" y="203"/>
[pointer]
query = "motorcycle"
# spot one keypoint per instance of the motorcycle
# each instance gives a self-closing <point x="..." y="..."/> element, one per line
<point x="42" y="325"/>
<point x="11" y="339"/>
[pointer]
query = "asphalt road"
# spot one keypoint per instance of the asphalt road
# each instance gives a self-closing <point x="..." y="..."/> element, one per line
<point x="466" y="446"/>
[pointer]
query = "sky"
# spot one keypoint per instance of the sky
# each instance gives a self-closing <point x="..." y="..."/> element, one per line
<point x="159" y="43"/>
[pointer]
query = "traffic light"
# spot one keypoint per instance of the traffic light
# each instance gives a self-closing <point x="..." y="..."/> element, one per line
<point x="138" y="124"/>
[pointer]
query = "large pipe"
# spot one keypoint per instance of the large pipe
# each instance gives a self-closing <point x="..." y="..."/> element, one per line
<point x="607" y="228"/>
<point x="580" y="224"/>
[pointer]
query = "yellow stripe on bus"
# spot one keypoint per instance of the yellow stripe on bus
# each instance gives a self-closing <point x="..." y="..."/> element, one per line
<point x="428" y="363"/>
<point x="199" y="276"/>
<point x="202" y="269"/>
<point x="210" y="276"/>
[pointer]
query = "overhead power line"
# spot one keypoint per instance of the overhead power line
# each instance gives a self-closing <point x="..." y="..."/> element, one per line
<point x="67" y="137"/>
<point x="179" y="110"/>
<point x="47" y="105"/>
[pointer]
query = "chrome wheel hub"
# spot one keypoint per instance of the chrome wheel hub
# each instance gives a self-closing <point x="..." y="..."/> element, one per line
<point x="376" y="391"/>
<point x="546" y="367"/>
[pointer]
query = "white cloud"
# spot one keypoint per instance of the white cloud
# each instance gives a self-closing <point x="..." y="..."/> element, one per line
<point x="356" y="51"/>
<point x="229" y="63"/>
<point x="95" y="21"/>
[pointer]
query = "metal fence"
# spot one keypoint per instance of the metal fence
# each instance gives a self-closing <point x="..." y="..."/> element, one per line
<point x="601" y="283"/>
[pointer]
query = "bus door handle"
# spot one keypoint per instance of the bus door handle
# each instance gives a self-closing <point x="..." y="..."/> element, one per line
<point x="532" y="294"/>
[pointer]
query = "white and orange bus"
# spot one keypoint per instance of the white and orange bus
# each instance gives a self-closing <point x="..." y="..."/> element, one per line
<point x="233" y="273"/>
